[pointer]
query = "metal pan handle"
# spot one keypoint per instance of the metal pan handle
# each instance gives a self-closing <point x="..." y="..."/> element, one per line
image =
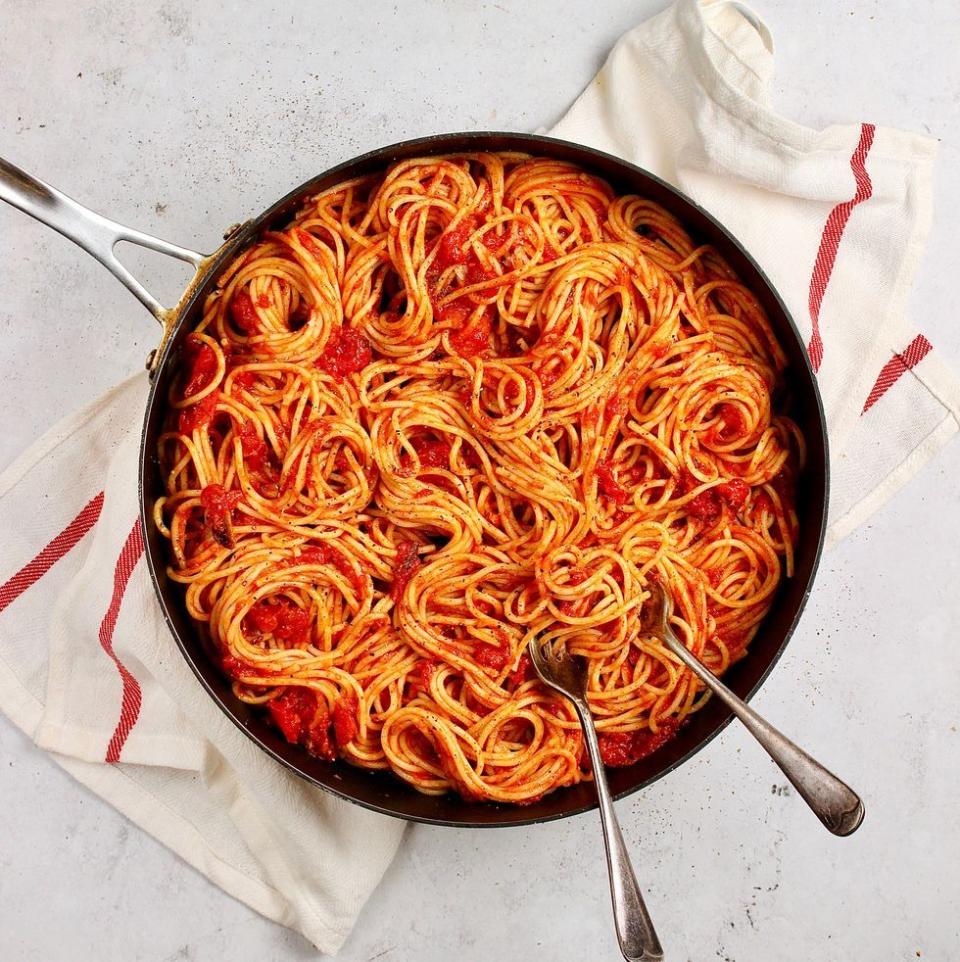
<point x="96" y="234"/>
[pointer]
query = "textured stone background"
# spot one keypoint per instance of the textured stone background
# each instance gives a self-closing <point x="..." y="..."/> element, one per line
<point x="183" y="118"/>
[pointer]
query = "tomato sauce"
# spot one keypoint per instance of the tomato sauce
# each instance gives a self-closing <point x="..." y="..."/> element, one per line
<point x="512" y="391"/>
<point x="478" y="272"/>
<point x="733" y="419"/>
<point x="735" y="640"/>
<point x="304" y="720"/>
<point x="523" y="672"/>
<point x="347" y="352"/>
<point x="217" y="504"/>
<point x="714" y="576"/>
<point x="406" y="565"/>
<point x="616" y="407"/>
<point x="346" y="723"/>
<point x="549" y="376"/>
<point x="293" y="624"/>
<point x="244" y="380"/>
<point x="455" y="314"/>
<point x="492" y="656"/>
<point x="432" y="453"/>
<point x="734" y="492"/>
<point x="450" y="250"/>
<point x="624" y="748"/>
<point x="198" y="415"/>
<point x="323" y="554"/>
<point x="422" y="746"/>
<point x="706" y="506"/>
<point x="568" y="606"/>
<point x="473" y="340"/>
<point x="282" y="619"/>
<point x="253" y="446"/>
<point x="608" y="484"/>
<point x="309" y="242"/>
<point x="293" y="712"/>
<point x="763" y="504"/>
<point x="319" y="739"/>
<point x="201" y="361"/>
<point x="233" y="667"/>
<point x="732" y="424"/>
<point x="263" y="617"/>
<point x="243" y="313"/>
<point x="424" y="670"/>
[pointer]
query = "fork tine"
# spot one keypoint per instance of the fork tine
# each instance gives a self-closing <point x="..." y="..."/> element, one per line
<point x="542" y="656"/>
<point x="535" y="652"/>
<point x="557" y="668"/>
<point x="657" y="609"/>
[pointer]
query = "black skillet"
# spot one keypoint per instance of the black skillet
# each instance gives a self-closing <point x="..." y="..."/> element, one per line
<point x="381" y="791"/>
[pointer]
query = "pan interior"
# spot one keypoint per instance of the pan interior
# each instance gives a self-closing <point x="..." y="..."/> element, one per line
<point x="381" y="791"/>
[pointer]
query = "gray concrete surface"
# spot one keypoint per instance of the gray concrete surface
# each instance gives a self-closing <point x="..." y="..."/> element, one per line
<point x="183" y="118"/>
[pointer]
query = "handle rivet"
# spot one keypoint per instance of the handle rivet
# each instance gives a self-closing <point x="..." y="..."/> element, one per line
<point x="151" y="357"/>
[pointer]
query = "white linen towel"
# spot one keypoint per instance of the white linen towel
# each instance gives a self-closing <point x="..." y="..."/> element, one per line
<point x="88" y="669"/>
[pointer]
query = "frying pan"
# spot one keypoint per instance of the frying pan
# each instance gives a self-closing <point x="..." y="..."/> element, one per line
<point x="381" y="791"/>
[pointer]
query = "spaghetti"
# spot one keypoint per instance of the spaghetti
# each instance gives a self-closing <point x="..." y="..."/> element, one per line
<point x="470" y="401"/>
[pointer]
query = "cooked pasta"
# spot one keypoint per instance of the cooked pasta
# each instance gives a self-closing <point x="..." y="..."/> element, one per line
<point x="471" y="401"/>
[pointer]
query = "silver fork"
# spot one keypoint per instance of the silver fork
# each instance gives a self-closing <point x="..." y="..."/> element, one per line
<point x="568" y="675"/>
<point x="832" y="801"/>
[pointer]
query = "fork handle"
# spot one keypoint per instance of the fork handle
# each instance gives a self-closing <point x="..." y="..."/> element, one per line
<point x="635" y="933"/>
<point x="834" y="802"/>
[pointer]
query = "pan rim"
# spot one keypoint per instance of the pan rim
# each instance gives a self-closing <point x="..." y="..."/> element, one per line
<point x="438" y="144"/>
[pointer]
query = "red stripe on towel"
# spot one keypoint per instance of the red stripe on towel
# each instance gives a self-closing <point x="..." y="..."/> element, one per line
<point x="830" y="240"/>
<point x="891" y="372"/>
<point x="34" y="570"/>
<point x="132" y="695"/>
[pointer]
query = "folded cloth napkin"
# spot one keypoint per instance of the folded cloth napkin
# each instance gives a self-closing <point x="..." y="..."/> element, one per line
<point x="88" y="669"/>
